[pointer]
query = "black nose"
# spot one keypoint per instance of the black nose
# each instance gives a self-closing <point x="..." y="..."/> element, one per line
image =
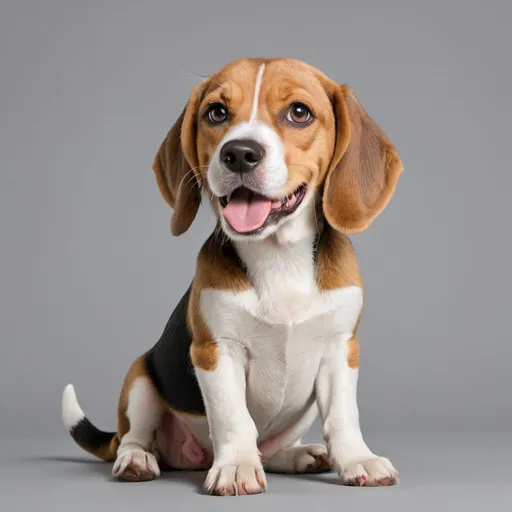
<point x="242" y="155"/>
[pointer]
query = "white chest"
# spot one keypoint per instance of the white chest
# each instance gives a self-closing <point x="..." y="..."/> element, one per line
<point x="279" y="329"/>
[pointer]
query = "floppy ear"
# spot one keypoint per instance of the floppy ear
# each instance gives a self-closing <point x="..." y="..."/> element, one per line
<point x="173" y="165"/>
<point x="364" y="170"/>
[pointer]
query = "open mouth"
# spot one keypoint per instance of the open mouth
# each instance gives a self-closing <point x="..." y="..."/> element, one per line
<point x="248" y="212"/>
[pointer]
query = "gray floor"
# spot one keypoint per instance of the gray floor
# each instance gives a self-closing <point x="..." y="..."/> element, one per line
<point x="438" y="472"/>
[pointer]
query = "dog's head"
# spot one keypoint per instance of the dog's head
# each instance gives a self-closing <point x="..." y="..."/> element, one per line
<point x="269" y="140"/>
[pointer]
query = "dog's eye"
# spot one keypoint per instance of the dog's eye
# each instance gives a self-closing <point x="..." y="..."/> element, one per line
<point x="298" y="113"/>
<point x="216" y="113"/>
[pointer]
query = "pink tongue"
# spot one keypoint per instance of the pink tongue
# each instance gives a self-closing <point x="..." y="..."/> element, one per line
<point x="246" y="211"/>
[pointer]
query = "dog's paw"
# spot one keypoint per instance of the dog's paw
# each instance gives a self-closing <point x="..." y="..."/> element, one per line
<point x="374" y="472"/>
<point x="136" y="466"/>
<point x="308" y="458"/>
<point x="235" y="480"/>
<point x="311" y="458"/>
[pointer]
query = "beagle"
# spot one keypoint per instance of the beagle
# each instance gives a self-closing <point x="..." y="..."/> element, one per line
<point x="265" y="337"/>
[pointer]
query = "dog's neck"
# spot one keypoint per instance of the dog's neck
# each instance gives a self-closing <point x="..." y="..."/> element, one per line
<point x="282" y="266"/>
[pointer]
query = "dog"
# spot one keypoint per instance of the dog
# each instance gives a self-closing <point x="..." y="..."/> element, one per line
<point x="264" y="339"/>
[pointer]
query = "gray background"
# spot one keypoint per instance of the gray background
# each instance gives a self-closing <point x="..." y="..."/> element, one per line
<point x="89" y="271"/>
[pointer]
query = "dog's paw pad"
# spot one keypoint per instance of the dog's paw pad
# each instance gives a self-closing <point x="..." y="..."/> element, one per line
<point x="136" y="466"/>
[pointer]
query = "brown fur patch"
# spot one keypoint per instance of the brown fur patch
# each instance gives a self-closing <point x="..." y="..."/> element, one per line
<point x="336" y="265"/>
<point x="353" y="352"/>
<point x="337" y="268"/>
<point x="107" y="452"/>
<point x="173" y="167"/>
<point x="204" y="355"/>
<point x="136" y="370"/>
<point x="218" y="267"/>
<point x="365" y="167"/>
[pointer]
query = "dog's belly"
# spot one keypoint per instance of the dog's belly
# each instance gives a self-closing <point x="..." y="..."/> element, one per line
<point x="182" y="442"/>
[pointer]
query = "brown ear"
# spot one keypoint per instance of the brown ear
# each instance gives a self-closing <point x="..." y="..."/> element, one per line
<point x="364" y="170"/>
<point x="173" y="165"/>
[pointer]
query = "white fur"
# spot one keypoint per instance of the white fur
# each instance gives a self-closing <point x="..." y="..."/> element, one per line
<point x="139" y="460"/>
<point x="279" y="332"/>
<point x="271" y="175"/>
<point x="257" y="88"/>
<point x="336" y="390"/>
<point x="72" y="413"/>
<point x="232" y="429"/>
<point x="144" y="411"/>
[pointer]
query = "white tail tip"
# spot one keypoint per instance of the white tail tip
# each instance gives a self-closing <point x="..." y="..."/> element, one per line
<point x="72" y="413"/>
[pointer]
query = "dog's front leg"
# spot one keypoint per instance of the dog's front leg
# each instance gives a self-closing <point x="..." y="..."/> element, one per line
<point x="336" y="390"/>
<point x="237" y="467"/>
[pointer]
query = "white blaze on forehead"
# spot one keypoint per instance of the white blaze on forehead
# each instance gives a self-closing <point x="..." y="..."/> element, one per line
<point x="259" y="78"/>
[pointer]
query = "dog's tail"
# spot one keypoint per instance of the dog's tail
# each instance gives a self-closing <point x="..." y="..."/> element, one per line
<point x="101" y="444"/>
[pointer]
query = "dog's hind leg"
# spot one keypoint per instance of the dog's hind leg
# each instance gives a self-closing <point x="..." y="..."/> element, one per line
<point x="140" y="412"/>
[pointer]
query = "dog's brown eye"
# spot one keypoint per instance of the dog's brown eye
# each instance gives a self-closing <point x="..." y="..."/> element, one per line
<point x="217" y="113"/>
<point x="298" y="113"/>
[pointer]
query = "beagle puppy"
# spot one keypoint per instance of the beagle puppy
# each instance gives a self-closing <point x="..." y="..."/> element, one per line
<point x="265" y="337"/>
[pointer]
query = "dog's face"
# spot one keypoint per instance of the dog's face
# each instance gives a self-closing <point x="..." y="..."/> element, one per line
<point x="270" y="140"/>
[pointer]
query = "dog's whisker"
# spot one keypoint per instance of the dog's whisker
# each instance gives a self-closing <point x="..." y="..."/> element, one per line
<point x="192" y="171"/>
<point x="196" y="177"/>
<point x="193" y="72"/>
